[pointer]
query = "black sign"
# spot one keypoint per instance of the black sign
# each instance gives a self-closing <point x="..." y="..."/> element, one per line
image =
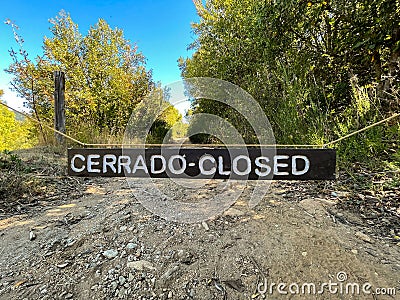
<point x="202" y="163"/>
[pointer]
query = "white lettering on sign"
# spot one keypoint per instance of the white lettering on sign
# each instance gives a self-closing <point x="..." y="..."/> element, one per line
<point x="235" y="163"/>
<point x="202" y="160"/>
<point x="221" y="167"/>
<point x="171" y="164"/>
<point x="140" y="164"/>
<point x="109" y="160"/>
<point x="153" y="164"/>
<point x="282" y="165"/>
<point x="73" y="167"/>
<point x="241" y="165"/>
<point x="91" y="163"/>
<point x="124" y="161"/>
<point x="262" y="165"/>
<point x="294" y="165"/>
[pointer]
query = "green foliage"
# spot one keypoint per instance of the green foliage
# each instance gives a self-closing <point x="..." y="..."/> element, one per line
<point x="296" y="58"/>
<point x="105" y="76"/>
<point x="162" y="125"/>
<point x="10" y="161"/>
<point x="179" y="130"/>
<point x="14" y="134"/>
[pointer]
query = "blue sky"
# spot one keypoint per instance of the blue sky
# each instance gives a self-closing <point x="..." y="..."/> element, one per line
<point x="160" y="28"/>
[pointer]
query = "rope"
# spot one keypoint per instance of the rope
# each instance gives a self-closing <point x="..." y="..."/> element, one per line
<point x="203" y="145"/>
<point x="45" y="125"/>
<point x="361" y="130"/>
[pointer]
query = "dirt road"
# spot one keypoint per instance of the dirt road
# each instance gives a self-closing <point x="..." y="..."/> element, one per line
<point x="105" y="245"/>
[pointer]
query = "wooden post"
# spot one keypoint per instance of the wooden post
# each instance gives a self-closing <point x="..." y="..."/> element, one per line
<point x="59" y="110"/>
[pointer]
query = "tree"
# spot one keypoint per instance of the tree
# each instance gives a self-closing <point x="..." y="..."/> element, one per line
<point x="14" y="134"/>
<point x="296" y="58"/>
<point x="106" y="76"/>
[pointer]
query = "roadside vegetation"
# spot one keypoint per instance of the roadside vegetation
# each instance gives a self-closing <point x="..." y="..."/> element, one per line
<point x="319" y="69"/>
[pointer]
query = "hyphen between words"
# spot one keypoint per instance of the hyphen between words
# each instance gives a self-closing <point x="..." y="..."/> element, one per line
<point x="242" y="163"/>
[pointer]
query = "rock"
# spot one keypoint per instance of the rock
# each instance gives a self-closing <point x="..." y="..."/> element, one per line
<point x="68" y="296"/>
<point x="168" y="274"/>
<point x="170" y="295"/>
<point x="62" y="266"/>
<point x="186" y="258"/>
<point x="70" y="242"/>
<point x="205" y="226"/>
<point x="123" y="228"/>
<point x="140" y="265"/>
<point x="334" y="194"/>
<point x="131" y="246"/>
<point x="32" y="235"/>
<point x="233" y="212"/>
<point x="355" y="251"/>
<point x="304" y="253"/>
<point x="364" y="237"/>
<point x="110" y="253"/>
<point x="181" y="253"/>
<point x="114" y="286"/>
<point x="121" y="293"/>
<point x="130" y="277"/>
<point x="121" y="280"/>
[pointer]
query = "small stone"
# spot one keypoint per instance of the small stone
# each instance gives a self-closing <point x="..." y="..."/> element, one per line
<point x="355" y="251"/>
<point x="121" y="280"/>
<point x="68" y="296"/>
<point x="363" y="237"/>
<point x="130" y="277"/>
<point x="170" y="294"/>
<point x="138" y="253"/>
<point x="304" y="253"/>
<point x="191" y="293"/>
<point x="233" y="212"/>
<point x="70" y="242"/>
<point x="110" y="253"/>
<point x="131" y="246"/>
<point x="121" y="292"/>
<point x="140" y="265"/>
<point x="205" y="226"/>
<point x="62" y="266"/>
<point x="334" y="194"/>
<point x="32" y="235"/>
<point x="168" y="274"/>
<point x="114" y="285"/>
<point x="123" y="228"/>
<point x="181" y="253"/>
